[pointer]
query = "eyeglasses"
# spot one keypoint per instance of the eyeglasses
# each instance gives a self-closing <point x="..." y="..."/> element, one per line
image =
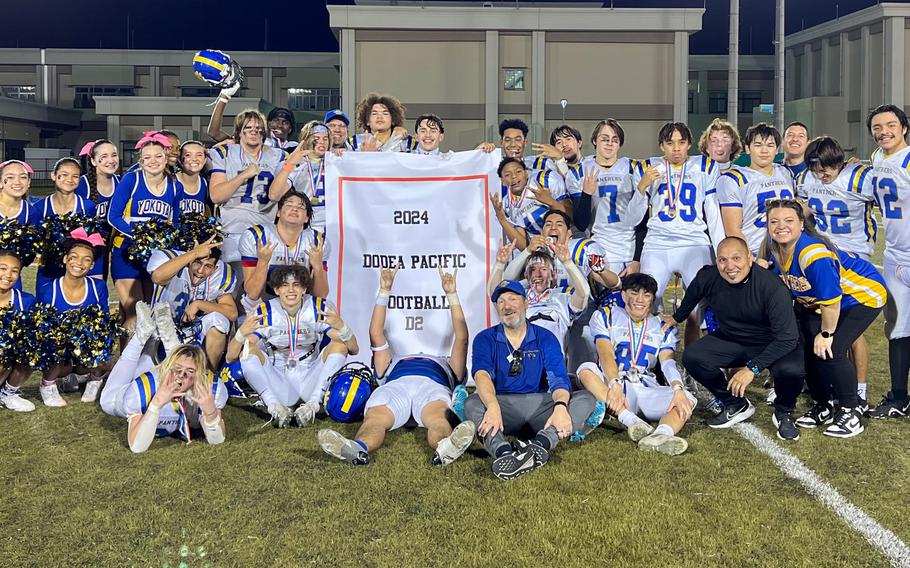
<point x="516" y="363"/>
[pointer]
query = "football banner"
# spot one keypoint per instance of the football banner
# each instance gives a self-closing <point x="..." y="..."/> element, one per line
<point x="419" y="213"/>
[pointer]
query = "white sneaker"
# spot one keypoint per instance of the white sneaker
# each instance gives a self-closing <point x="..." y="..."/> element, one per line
<point x="669" y="445"/>
<point x="91" y="390"/>
<point x="145" y="322"/>
<point x="70" y="383"/>
<point x="454" y="445"/>
<point x="16" y="403"/>
<point x="167" y="331"/>
<point x="281" y="415"/>
<point x="639" y="430"/>
<point x="306" y="413"/>
<point x="51" y="396"/>
<point x="772" y="396"/>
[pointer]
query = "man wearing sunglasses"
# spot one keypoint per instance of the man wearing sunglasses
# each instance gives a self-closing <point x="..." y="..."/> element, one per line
<point x="523" y="388"/>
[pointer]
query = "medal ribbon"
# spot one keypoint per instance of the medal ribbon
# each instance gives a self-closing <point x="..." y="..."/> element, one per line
<point x="183" y="423"/>
<point x="293" y="331"/>
<point x="636" y="348"/>
<point x="288" y="257"/>
<point x="673" y="195"/>
<point x="318" y="176"/>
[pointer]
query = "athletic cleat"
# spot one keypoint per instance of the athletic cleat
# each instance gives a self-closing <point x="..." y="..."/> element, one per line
<point x="639" y="430"/>
<point x="786" y="427"/>
<point x="593" y="420"/>
<point x="16" y="403"/>
<point x="167" y="331"/>
<point x="281" y="415"/>
<point x="306" y="413"/>
<point x="340" y="447"/>
<point x="514" y="464"/>
<point x="772" y="396"/>
<point x="51" y="396"/>
<point x="454" y="445"/>
<point x="541" y="454"/>
<point x="459" y="395"/>
<point x="818" y="415"/>
<point x="847" y="423"/>
<point x="667" y="445"/>
<point x="732" y="415"/>
<point x="145" y="323"/>
<point x="890" y="407"/>
<point x="91" y="390"/>
<point x="70" y="383"/>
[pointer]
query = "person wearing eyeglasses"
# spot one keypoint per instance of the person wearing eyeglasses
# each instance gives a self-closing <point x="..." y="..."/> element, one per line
<point x="838" y="295"/>
<point x="522" y="388"/>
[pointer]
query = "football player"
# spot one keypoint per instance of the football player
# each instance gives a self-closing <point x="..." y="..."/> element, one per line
<point x="304" y="171"/>
<point x="382" y="119"/>
<point x="415" y="387"/>
<point x="720" y="141"/>
<point x="525" y="200"/>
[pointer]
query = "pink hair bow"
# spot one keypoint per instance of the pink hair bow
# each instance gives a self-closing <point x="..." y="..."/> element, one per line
<point x="153" y="136"/>
<point x="95" y="239"/>
<point x="87" y="149"/>
<point x="27" y="167"/>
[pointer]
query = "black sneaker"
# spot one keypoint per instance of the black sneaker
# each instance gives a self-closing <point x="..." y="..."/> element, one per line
<point x="541" y="454"/>
<point x="786" y="428"/>
<point x="890" y="407"/>
<point x="847" y="424"/>
<point x="512" y="465"/>
<point x="819" y="415"/>
<point x="862" y="405"/>
<point x="731" y="415"/>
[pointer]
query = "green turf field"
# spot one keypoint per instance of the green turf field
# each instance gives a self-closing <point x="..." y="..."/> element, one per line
<point x="76" y="496"/>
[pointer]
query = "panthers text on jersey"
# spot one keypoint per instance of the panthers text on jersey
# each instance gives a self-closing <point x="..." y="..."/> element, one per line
<point x="748" y="190"/>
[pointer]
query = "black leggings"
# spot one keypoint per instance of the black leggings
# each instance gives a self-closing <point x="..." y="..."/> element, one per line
<point x="836" y="375"/>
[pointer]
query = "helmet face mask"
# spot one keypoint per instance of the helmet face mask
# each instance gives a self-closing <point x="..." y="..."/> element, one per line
<point x="348" y="391"/>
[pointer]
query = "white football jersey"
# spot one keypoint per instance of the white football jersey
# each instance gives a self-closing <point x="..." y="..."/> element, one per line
<point x="309" y="178"/>
<point x="179" y="292"/>
<point x="585" y="253"/>
<point x="393" y="144"/>
<point x="614" y="225"/>
<point x="680" y="217"/>
<point x="284" y="254"/>
<point x="250" y="204"/>
<point x="636" y="346"/>
<point x="748" y="190"/>
<point x="552" y="310"/>
<point x="843" y="208"/>
<point x="179" y="415"/>
<point x="524" y="211"/>
<point x="295" y="337"/>
<point x="892" y="192"/>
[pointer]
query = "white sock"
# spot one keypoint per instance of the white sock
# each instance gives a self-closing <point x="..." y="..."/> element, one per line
<point x="8" y="390"/>
<point x="627" y="418"/>
<point x="331" y="365"/>
<point x="664" y="429"/>
<point x="861" y="389"/>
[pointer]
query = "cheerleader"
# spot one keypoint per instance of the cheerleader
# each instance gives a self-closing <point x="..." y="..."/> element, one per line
<point x="15" y="179"/>
<point x="12" y="379"/>
<point x="64" y="201"/>
<point x="142" y="195"/>
<point x="192" y="188"/>
<point x="304" y="171"/>
<point x="100" y="164"/>
<point x="72" y="291"/>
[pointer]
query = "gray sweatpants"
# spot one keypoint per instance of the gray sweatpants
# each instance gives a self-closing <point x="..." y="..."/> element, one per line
<point x="526" y="414"/>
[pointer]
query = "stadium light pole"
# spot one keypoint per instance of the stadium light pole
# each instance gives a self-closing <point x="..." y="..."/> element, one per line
<point x="563" y="103"/>
<point x="779" y="50"/>
<point x="733" y="65"/>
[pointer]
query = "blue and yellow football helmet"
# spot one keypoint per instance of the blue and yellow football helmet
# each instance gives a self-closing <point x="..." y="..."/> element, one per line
<point x="217" y="68"/>
<point x="347" y="392"/>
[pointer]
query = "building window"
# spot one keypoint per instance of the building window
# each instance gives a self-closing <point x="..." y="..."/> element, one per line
<point x="314" y="99"/>
<point x="207" y="92"/>
<point x="748" y="100"/>
<point x="85" y="96"/>
<point x="717" y="102"/>
<point x="21" y="92"/>
<point x="692" y="103"/>
<point x="513" y="79"/>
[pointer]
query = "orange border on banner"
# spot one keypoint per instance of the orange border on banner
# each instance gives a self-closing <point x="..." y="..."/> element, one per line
<point x="486" y="216"/>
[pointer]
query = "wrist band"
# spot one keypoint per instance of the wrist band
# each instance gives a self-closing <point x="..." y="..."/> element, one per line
<point x="288" y="167"/>
<point x="239" y="337"/>
<point x="382" y="347"/>
<point x="345" y="333"/>
<point x="453" y="299"/>
<point x="561" y="403"/>
<point x="382" y="298"/>
<point x="212" y="425"/>
<point x="499" y="266"/>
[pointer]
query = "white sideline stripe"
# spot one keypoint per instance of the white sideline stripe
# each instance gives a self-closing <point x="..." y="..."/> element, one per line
<point x="878" y="536"/>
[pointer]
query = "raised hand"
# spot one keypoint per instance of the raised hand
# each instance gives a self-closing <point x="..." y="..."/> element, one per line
<point x="387" y="278"/>
<point x="448" y="280"/>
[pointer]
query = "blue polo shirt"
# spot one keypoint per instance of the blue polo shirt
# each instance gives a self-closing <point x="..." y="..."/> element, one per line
<point x="543" y="364"/>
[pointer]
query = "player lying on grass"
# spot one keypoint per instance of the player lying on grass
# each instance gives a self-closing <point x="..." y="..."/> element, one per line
<point x="522" y="388"/>
<point x="176" y="397"/>
<point x="283" y="350"/>
<point x="416" y="387"/>
<point x="631" y="343"/>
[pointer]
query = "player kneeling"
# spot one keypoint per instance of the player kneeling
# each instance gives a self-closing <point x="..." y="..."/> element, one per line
<point x="630" y="343"/>
<point x="418" y="386"/>
<point x="280" y="347"/>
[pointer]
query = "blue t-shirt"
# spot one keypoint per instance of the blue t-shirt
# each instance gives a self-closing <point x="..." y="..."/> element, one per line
<point x="542" y="368"/>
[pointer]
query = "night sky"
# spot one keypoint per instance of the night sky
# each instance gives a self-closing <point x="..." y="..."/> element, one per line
<point x="302" y="25"/>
